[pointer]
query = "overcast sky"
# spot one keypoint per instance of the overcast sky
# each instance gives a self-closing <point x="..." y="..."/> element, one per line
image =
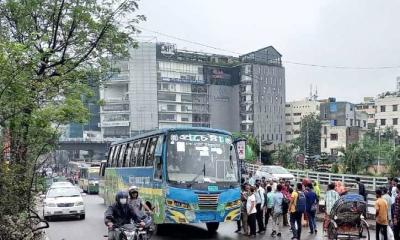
<point x="356" y="33"/>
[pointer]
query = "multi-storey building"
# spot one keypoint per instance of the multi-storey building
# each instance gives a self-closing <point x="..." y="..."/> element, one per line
<point x="368" y="106"/>
<point x="294" y="112"/>
<point x="161" y="86"/>
<point x="341" y="125"/>
<point x="387" y="111"/>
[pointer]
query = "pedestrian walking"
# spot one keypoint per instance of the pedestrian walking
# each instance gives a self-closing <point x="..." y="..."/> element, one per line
<point x="244" y="216"/>
<point x="393" y="190"/>
<point x="297" y="208"/>
<point x="388" y="200"/>
<point x="311" y="207"/>
<point x="286" y="200"/>
<point x="251" y="212"/>
<point x="277" y="212"/>
<point x="361" y="188"/>
<point x="239" y="222"/>
<point x="331" y="197"/>
<point x="269" y="205"/>
<point x="396" y="214"/>
<point x="259" y="207"/>
<point x="381" y="215"/>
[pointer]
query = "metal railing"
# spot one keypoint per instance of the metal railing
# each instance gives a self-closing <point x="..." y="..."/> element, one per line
<point x="324" y="178"/>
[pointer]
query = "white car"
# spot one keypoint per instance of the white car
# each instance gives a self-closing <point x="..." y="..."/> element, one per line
<point x="275" y="173"/>
<point x="61" y="184"/>
<point x="63" y="201"/>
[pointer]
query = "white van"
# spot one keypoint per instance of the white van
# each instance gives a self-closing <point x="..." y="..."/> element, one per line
<point x="275" y="173"/>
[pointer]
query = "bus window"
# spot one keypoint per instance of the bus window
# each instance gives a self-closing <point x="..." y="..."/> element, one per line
<point x="121" y="157"/>
<point x="115" y="156"/>
<point x="109" y="160"/>
<point x="150" y="152"/>
<point x="140" y="159"/>
<point x="128" y="155"/>
<point x="135" y="151"/>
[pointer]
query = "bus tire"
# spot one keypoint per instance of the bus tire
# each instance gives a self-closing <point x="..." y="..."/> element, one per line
<point x="212" y="227"/>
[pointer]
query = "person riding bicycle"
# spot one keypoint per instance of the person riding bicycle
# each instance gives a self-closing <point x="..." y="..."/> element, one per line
<point x="136" y="201"/>
<point x="119" y="214"/>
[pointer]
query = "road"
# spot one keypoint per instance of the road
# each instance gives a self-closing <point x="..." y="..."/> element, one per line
<point x="92" y="228"/>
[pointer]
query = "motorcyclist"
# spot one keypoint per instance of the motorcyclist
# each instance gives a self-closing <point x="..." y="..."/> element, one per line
<point x="120" y="213"/>
<point x="135" y="201"/>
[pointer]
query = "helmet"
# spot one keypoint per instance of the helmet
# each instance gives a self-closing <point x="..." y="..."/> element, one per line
<point x="133" y="189"/>
<point x="120" y="195"/>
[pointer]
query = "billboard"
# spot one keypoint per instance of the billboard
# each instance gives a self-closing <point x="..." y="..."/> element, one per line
<point x="221" y="75"/>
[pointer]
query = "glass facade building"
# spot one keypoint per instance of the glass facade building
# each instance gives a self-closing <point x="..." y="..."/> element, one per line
<point x="160" y="86"/>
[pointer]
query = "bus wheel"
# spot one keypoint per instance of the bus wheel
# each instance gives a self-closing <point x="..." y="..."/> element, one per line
<point x="212" y="227"/>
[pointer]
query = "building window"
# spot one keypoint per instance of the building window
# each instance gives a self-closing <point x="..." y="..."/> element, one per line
<point x="383" y="122"/>
<point x="395" y="121"/>
<point x="171" y="108"/>
<point x="325" y="143"/>
<point x="288" y="124"/>
<point x="394" y="108"/>
<point x="296" y="123"/>
<point x="364" y="123"/>
<point x="288" y="133"/>
<point x="351" y="122"/>
<point x="325" y="130"/>
<point x="167" y="117"/>
<point x="334" y="137"/>
<point x="166" y="96"/>
<point x="296" y="114"/>
<point x="383" y="109"/>
<point x="287" y="114"/>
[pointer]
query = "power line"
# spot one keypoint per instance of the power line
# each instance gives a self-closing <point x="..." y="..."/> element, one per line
<point x="287" y="61"/>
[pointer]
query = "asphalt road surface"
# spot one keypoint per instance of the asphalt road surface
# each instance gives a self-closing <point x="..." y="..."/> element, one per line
<point x="93" y="228"/>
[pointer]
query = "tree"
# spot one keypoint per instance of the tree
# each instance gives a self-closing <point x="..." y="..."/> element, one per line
<point x="50" y="51"/>
<point x="284" y="156"/>
<point x="309" y="140"/>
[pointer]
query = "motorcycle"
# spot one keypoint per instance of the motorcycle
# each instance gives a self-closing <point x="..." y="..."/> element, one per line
<point x="135" y="231"/>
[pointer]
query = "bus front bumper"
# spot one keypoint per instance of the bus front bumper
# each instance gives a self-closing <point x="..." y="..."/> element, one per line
<point x="176" y="215"/>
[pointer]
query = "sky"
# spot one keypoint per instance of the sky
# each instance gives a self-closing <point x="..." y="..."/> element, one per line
<point x="356" y="33"/>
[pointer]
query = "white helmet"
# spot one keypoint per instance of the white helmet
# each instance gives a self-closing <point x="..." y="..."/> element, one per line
<point x="133" y="189"/>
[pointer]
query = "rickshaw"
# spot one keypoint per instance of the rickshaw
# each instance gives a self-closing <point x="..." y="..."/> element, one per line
<point x="347" y="220"/>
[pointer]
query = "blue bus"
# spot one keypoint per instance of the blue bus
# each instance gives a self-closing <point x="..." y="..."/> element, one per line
<point x="187" y="175"/>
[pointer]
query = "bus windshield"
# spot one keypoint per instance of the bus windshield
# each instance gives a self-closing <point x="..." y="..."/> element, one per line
<point x="94" y="173"/>
<point x="201" y="157"/>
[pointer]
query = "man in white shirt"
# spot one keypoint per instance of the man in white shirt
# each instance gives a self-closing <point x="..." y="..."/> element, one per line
<point x="395" y="181"/>
<point x="252" y="180"/>
<point x="259" y="207"/>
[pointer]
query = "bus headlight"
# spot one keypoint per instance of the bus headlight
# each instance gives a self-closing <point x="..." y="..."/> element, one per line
<point x="190" y="216"/>
<point x="233" y="204"/>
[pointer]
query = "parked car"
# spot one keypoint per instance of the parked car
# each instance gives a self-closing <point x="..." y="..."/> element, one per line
<point x="63" y="201"/>
<point x="275" y="173"/>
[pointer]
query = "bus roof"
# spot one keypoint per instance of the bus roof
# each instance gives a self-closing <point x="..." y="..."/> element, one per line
<point x="167" y="130"/>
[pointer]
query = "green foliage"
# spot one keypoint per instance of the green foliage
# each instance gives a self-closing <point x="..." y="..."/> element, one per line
<point x="309" y="140"/>
<point x="284" y="156"/>
<point x="50" y="52"/>
<point x="252" y="146"/>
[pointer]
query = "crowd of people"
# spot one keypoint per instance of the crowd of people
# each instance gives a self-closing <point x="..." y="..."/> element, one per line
<point x="265" y="201"/>
<point x="387" y="207"/>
